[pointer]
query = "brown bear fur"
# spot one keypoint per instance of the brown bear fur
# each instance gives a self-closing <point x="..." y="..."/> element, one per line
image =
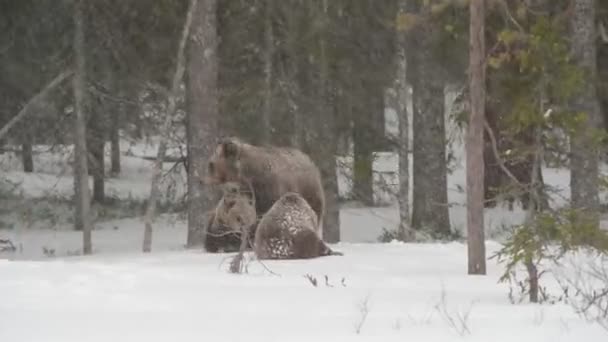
<point x="287" y="231"/>
<point x="225" y="222"/>
<point x="271" y="171"/>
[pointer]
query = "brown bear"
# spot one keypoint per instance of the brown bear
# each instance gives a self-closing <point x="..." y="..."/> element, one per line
<point x="287" y="231"/>
<point x="271" y="172"/>
<point x="225" y="222"/>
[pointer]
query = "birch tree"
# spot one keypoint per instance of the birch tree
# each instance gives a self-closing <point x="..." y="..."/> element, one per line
<point x="165" y="130"/>
<point x="405" y="233"/>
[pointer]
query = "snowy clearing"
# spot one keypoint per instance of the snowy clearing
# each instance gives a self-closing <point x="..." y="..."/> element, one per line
<point x="390" y="292"/>
<point x="378" y="292"/>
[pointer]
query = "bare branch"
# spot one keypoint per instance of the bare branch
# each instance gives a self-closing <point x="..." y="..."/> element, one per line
<point x="34" y="100"/>
<point x="497" y="155"/>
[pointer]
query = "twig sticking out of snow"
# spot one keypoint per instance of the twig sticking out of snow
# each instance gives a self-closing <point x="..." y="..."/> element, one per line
<point x="363" y="311"/>
<point x="312" y="279"/>
<point x="236" y="265"/>
<point x="459" y="323"/>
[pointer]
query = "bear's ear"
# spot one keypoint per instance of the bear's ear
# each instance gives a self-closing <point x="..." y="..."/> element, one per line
<point x="230" y="149"/>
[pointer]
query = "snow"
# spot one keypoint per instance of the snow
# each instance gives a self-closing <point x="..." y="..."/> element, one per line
<point x="189" y="296"/>
<point x="51" y="293"/>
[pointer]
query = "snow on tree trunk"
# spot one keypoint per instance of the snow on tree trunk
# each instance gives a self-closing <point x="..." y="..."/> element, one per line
<point x="474" y="142"/>
<point x="164" y="131"/>
<point x="203" y="116"/>
<point x="405" y="232"/>
<point x="584" y="150"/>
<point x="81" y="179"/>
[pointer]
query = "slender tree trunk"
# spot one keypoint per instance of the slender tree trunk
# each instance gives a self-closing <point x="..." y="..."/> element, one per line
<point x="95" y="134"/>
<point x="81" y="179"/>
<point x="405" y="232"/>
<point x="363" y="157"/>
<point x="97" y="123"/>
<point x="267" y="130"/>
<point x="115" y="116"/>
<point x="26" y="151"/>
<point x="203" y="116"/>
<point x="584" y="151"/>
<point x="162" y="147"/>
<point x="327" y="143"/>
<point x="474" y="141"/>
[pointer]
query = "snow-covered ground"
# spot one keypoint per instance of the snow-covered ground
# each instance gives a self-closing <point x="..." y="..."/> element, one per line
<point x="378" y="292"/>
<point x="388" y="292"/>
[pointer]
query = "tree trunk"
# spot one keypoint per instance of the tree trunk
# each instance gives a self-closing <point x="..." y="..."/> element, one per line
<point x="327" y="143"/>
<point x="584" y="151"/>
<point x="97" y="123"/>
<point x="430" y="202"/>
<point x="95" y="135"/>
<point x="26" y="150"/>
<point x="363" y="157"/>
<point x="405" y="232"/>
<point x="377" y="106"/>
<point x="81" y="179"/>
<point x="203" y="116"/>
<point x="475" y="141"/>
<point x="115" y="116"/>
<point x="162" y="147"/>
<point x="267" y="130"/>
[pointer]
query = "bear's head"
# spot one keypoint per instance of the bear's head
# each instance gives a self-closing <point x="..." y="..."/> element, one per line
<point x="223" y="165"/>
<point x="237" y="212"/>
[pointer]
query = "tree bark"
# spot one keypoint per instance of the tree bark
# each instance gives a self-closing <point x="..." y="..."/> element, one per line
<point x="203" y="116"/>
<point x="475" y="141"/>
<point x="363" y="157"/>
<point x="114" y="131"/>
<point x="81" y="179"/>
<point x="162" y="147"/>
<point x="430" y="202"/>
<point x="26" y="150"/>
<point x="95" y="143"/>
<point x="584" y="151"/>
<point x="267" y="130"/>
<point x="327" y="143"/>
<point x="405" y="232"/>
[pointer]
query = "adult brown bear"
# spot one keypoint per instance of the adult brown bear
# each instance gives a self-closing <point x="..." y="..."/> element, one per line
<point x="270" y="171"/>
